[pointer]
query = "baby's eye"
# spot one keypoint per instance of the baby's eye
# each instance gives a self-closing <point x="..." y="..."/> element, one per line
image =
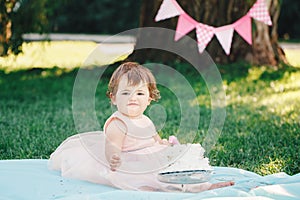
<point x="125" y="93"/>
<point x="140" y="93"/>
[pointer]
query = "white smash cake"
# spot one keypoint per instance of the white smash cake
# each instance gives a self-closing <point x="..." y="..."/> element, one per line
<point x="186" y="157"/>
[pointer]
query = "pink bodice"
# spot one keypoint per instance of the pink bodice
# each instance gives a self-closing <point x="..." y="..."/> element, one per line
<point x="136" y="136"/>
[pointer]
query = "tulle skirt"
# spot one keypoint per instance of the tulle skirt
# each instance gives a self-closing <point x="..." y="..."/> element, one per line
<point x="82" y="156"/>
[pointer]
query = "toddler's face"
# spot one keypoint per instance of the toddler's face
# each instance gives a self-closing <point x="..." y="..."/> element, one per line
<point x="130" y="100"/>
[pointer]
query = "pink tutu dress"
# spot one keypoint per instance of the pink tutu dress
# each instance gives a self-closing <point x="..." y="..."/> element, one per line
<point x="82" y="156"/>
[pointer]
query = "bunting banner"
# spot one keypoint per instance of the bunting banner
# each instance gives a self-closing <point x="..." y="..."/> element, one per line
<point x="205" y="33"/>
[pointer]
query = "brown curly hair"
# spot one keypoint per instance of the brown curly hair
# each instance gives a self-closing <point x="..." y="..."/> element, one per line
<point x="135" y="74"/>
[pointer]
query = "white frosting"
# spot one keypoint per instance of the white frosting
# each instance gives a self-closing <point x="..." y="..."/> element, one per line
<point x="187" y="157"/>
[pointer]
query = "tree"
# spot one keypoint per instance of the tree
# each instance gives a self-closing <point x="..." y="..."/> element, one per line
<point x="6" y="24"/>
<point x="18" y="17"/>
<point x="264" y="50"/>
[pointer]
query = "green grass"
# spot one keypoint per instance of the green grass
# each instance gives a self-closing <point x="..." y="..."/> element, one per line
<point x="261" y="131"/>
<point x="262" y="128"/>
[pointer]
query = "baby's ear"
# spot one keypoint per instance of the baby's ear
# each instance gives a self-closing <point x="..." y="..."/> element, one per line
<point x="112" y="98"/>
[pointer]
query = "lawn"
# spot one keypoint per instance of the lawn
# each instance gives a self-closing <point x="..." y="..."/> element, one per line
<point x="261" y="131"/>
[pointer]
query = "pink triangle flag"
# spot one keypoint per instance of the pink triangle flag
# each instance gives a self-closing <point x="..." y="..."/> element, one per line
<point x="224" y="35"/>
<point x="204" y="34"/>
<point x="259" y="11"/>
<point x="185" y="24"/>
<point x="244" y="29"/>
<point x="168" y="9"/>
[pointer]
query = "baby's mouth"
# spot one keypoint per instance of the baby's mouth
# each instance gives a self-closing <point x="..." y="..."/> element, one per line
<point x="132" y="104"/>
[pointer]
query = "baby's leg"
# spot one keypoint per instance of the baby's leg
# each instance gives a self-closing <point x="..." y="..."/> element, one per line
<point x="220" y="185"/>
<point x="206" y="186"/>
<point x="188" y="188"/>
<point x="148" y="189"/>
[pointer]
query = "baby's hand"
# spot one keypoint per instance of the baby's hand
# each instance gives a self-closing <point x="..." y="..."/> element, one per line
<point x="164" y="142"/>
<point x="114" y="162"/>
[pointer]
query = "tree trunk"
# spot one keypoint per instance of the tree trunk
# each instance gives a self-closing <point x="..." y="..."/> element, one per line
<point x="6" y="26"/>
<point x="147" y="15"/>
<point x="264" y="50"/>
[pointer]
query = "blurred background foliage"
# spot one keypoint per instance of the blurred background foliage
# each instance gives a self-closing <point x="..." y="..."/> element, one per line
<point x="288" y="24"/>
<point x="77" y="16"/>
<point x="93" y="16"/>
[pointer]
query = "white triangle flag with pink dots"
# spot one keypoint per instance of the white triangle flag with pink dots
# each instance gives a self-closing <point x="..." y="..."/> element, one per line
<point x="259" y="11"/>
<point x="204" y="34"/>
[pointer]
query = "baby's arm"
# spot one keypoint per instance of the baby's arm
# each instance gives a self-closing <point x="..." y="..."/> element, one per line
<point x="113" y="143"/>
<point x="158" y="139"/>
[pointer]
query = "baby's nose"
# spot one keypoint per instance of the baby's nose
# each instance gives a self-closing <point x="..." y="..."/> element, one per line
<point x="132" y="96"/>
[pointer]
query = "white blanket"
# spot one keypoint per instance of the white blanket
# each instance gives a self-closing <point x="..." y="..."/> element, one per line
<point x="31" y="179"/>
